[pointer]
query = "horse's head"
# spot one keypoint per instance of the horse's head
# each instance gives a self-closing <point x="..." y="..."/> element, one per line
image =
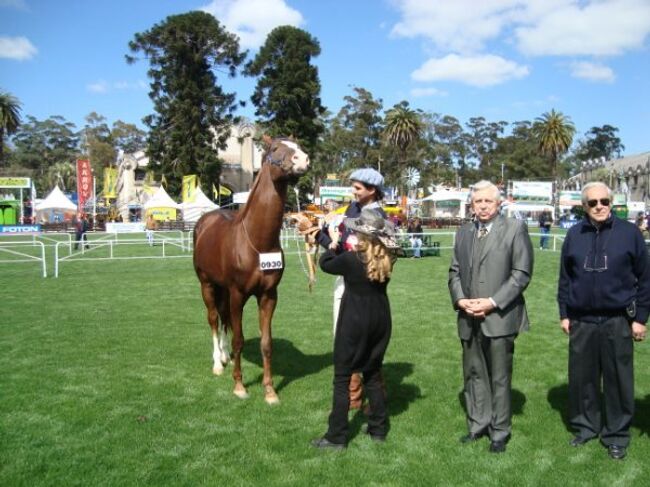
<point x="286" y="155"/>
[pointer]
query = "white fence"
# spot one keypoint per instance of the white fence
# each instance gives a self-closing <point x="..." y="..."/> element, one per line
<point x="18" y="250"/>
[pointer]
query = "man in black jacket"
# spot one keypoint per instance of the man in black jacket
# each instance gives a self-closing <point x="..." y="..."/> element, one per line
<point x="604" y="300"/>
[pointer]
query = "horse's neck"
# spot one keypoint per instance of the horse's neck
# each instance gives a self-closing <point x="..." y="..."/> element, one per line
<point x="262" y="216"/>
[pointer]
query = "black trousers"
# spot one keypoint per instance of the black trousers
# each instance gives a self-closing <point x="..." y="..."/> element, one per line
<point x="601" y="352"/>
<point x="338" y="419"/>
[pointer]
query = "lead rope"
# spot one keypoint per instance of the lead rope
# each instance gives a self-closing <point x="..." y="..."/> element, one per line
<point x="243" y="224"/>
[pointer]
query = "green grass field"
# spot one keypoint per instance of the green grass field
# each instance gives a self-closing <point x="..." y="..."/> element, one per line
<point x="106" y="380"/>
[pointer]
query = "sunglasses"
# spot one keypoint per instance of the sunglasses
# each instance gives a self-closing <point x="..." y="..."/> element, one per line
<point x="593" y="203"/>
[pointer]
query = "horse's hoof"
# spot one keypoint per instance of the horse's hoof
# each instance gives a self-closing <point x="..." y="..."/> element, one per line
<point x="225" y="361"/>
<point x="272" y="399"/>
<point x="241" y="393"/>
<point x="217" y="370"/>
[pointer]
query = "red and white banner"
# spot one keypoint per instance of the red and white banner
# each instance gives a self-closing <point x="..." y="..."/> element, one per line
<point x="84" y="182"/>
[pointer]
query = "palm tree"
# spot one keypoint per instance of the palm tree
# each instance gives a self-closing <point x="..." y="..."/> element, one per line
<point x="403" y="127"/>
<point x="9" y="118"/>
<point x="554" y="133"/>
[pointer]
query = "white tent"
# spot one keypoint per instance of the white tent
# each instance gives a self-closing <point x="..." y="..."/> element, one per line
<point x="527" y="211"/>
<point x="448" y="204"/>
<point x="192" y="210"/>
<point x="161" y="206"/>
<point x="56" y="207"/>
<point x="56" y="200"/>
<point x="161" y="200"/>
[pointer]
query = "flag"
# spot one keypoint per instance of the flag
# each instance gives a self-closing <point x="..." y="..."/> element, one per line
<point x="110" y="182"/>
<point x="163" y="181"/>
<point x="189" y="188"/>
<point x="223" y="191"/>
<point x="84" y="182"/>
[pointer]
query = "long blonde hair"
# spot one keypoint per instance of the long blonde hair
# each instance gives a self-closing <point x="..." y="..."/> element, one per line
<point x="377" y="258"/>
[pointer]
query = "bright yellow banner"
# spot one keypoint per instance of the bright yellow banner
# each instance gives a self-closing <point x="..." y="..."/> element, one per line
<point x="110" y="182"/>
<point x="162" y="214"/>
<point x="189" y="188"/>
<point x="223" y="191"/>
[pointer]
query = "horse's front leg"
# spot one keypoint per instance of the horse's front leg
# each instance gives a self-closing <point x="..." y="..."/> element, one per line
<point x="237" y="302"/>
<point x="266" y="304"/>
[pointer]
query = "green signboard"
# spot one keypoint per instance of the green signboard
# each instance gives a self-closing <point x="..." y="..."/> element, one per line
<point x="8" y="182"/>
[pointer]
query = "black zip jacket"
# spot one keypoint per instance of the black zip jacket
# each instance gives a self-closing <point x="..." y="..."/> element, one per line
<point x="603" y="271"/>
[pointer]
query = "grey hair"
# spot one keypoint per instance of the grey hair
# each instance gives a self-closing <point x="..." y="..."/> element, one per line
<point x="484" y="184"/>
<point x="594" y="184"/>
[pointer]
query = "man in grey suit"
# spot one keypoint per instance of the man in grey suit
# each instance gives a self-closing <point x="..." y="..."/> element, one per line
<point x="490" y="269"/>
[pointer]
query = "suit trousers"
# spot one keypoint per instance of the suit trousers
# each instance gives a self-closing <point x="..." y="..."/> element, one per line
<point x="601" y="350"/>
<point x="487" y="370"/>
<point x="338" y="420"/>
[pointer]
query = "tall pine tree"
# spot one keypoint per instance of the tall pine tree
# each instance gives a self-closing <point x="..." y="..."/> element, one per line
<point x="287" y="94"/>
<point x="193" y="114"/>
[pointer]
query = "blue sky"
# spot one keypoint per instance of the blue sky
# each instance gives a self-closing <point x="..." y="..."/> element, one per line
<point x="505" y="60"/>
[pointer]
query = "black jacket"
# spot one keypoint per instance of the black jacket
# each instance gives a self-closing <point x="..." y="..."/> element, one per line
<point x="592" y="288"/>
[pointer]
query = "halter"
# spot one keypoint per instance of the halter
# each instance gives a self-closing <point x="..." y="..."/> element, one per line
<point x="276" y="162"/>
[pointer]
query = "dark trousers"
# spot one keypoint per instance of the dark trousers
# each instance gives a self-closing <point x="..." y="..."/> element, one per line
<point x="81" y="239"/>
<point x="338" y="420"/>
<point x="487" y="370"/>
<point x="601" y="351"/>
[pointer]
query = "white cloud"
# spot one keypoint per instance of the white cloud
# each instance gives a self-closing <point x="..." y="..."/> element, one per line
<point x="483" y="70"/>
<point x="608" y="27"/>
<point x="17" y="4"/>
<point x="17" y="48"/>
<point x="252" y="20"/>
<point x="592" y="71"/>
<point x="534" y="27"/>
<point x="424" y="92"/>
<point x="102" y="86"/>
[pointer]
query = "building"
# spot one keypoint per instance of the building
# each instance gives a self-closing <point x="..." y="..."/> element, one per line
<point x="629" y="175"/>
<point x="241" y="160"/>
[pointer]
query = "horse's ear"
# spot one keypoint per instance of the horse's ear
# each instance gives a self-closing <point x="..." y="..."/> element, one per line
<point x="267" y="140"/>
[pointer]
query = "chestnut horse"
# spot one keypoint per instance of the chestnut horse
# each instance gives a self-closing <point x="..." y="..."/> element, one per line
<point x="230" y="251"/>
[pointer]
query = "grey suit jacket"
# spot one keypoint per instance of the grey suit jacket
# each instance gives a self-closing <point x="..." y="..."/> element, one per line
<point x="506" y="267"/>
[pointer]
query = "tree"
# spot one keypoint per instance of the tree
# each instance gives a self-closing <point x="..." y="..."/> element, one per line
<point x="287" y="94"/>
<point x="600" y="142"/>
<point x="41" y="144"/>
<point x="402" y="128"/>
<point x="482" y="138"/>
<point x="519" y="154"/>
<point x="554" y="134"/>
<point x="97" y="144"/>
<point x="9" y="119"/>
<point x="127" y="137"/>
<point x="193" y="114"/>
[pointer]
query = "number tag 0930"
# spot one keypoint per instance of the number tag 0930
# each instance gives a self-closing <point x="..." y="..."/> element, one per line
<point x="271" y="261"/>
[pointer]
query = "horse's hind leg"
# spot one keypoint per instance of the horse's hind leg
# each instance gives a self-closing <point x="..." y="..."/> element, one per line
<point x="219" y="355"/>
<point x="266" y="304"/>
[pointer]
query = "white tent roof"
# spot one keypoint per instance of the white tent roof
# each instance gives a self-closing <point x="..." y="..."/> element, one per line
<point x="447" y="196"/>
<point x="56" y="200"/>
<point x="161" y="200"/>
<point x="200" y="201"/>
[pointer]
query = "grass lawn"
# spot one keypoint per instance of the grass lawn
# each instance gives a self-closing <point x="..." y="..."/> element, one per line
<point x="106" y="380"/>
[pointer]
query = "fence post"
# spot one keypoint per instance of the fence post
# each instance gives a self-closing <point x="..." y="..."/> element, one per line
<point x="111" y="245"/>
<point x="56" y="259"/>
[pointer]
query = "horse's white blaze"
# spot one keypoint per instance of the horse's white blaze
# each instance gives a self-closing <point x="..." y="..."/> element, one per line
<point x="299" y="159"/>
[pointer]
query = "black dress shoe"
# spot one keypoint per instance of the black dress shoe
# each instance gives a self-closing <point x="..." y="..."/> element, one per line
<point x="617" y="452"/>
<point x="471" y="437"/>
<point x="579" y="441"/>
<point x="497" y="447"/>
<point x="325" y="443"/>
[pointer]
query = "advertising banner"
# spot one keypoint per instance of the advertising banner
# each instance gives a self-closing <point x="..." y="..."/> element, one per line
<point x="533" y="191"/>
<point x="110" y="182"/>
<point x="189" y="188"/>
<point x="335" y="192"/>
<point x="84" y="182"/>
<point x="20" y="229"/>
<point x="570" y="198"/>
<point x="8" y="182"/>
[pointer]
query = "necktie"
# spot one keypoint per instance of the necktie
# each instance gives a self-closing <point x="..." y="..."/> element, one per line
<point x="482" y="231"/>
